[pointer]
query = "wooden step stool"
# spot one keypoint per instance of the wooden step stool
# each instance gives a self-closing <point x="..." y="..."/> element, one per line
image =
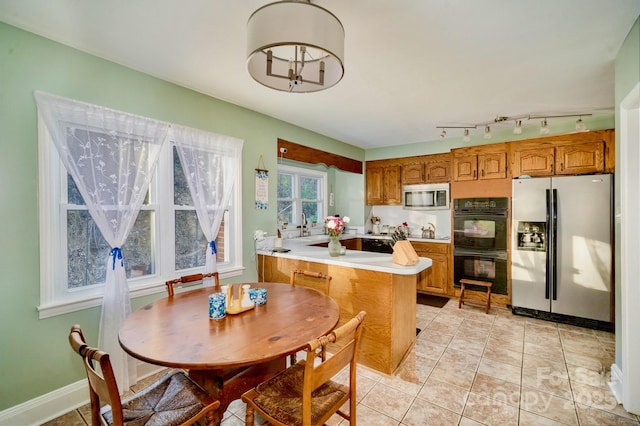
<point x="485" y="284"/>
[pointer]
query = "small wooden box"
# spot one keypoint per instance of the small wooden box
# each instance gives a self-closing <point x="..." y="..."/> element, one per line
<point x="404" y="253"/>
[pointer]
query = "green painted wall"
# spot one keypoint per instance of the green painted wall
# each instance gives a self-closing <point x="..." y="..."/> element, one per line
<point x="35" y="357"/>
<point x="627" y="75"/>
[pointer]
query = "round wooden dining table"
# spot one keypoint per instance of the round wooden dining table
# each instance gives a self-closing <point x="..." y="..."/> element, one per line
<point x="230" y="355"/>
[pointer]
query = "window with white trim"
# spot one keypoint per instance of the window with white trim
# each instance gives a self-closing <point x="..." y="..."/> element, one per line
<point x="166" y="240"/>
<point x="301" y="191"/>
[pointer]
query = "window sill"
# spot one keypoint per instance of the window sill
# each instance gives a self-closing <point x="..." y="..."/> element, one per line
<point x="60" y="308"/>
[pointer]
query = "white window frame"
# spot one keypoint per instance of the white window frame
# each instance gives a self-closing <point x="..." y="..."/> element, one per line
<point x="297" y="201"/>
<point x="55" y="296"/>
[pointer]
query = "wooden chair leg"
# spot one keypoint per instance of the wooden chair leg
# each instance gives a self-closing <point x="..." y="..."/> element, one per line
<point x="488" y="300"/>
<point x="460" y="300"/>
<point x="248" y="418"/>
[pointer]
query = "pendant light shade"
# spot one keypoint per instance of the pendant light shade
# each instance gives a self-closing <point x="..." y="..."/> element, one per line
<point x="295" y="46"/>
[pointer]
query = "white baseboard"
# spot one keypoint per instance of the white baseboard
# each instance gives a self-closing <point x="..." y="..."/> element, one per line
<point x="58" y="402"/>
<point x="616" y="383"/>
<point x="48" y="406"/>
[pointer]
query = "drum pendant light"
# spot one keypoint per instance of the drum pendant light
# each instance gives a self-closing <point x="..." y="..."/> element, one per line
<point x="295" y="46"/>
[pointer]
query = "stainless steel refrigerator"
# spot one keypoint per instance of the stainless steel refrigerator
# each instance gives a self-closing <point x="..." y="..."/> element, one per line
<point x="561" y="251"/>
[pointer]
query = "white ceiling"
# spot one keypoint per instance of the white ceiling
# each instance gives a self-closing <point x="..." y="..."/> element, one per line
<point x="410" y="65"/>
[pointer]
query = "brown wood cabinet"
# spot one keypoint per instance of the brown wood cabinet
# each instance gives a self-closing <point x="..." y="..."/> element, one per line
<point x="383" y="184"/>
<point x="413" y="173"/>
<point x="437" y="168"/>
<point x="465" y="167"/>
<point x="434" y="168"/>
<point x="577" y="159"/>
<point x="575" y="154"/>
<point x="533" y="162"/>
<point x="490" y="165"/>
<point x="436" y="278"/>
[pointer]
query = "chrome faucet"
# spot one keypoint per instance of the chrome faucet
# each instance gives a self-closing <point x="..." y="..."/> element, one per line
<point x="303" y="226"/>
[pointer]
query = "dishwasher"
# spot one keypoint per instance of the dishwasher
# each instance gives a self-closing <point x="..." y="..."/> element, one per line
<point x="377" y="245"/>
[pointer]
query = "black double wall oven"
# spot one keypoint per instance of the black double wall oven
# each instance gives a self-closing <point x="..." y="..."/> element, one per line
<point x="480" y="241"/>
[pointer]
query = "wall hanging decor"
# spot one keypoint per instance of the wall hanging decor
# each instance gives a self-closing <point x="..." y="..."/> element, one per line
<point x="262" y="186"/>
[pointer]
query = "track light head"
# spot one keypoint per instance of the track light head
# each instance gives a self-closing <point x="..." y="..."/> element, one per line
<point x="487" y="132"/>
<point x="443" y="134"/>
<point x="580" y="126"/>
<point x="544" y="127"/>
<point x="517" y="130"/>
<point x="466" y="136"/>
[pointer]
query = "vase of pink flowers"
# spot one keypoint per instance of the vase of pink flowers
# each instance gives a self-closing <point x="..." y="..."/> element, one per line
<point x="335" y="227"/>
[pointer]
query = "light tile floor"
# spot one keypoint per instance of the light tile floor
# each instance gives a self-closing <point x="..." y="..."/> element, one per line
<point x="469" y="368"/>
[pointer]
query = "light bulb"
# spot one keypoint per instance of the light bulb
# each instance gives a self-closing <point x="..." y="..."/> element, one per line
<point x="487" y="133"/>
<point x="466" y="137"/>
<point x="544" y="127"/>
<point x="518" y="129"/>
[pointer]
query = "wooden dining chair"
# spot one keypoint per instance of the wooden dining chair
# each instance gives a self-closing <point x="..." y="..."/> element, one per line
<point x="296" y="278"/>
<point x="189" y="280"/>
<point x="310" y="279"/>
<point x="305" y="394"/>
<point x="173" y="399"/>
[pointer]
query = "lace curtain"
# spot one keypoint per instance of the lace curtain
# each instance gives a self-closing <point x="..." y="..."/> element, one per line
<point x="210" y="164"/>
<point x="111" y="156"/>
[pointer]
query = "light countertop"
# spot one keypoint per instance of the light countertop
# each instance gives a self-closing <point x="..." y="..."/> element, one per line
<point x="301" y="249"/>
<point x="444" y="240"/>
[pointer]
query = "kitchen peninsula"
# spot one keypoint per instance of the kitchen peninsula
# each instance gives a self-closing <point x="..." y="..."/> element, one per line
<point x="361" y="281"/>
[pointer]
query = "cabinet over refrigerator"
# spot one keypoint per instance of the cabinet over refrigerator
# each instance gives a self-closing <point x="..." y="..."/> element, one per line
<point x="562" y="249"/>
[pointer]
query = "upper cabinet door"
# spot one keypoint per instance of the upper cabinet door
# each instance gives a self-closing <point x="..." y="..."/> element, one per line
<point x="493" y="166"/>
<point x="375" y="186"/>
<point x="580" y="158"/>
<point x="383" y="185"/>
<point x="533" y="162"/>
<point x="412" y="173"/>
<point x="465" y="167"/>
<point x="439" y="171"/>
<point x="392" y="185"/>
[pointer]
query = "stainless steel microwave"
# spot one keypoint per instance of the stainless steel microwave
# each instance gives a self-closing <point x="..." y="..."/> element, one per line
<point x="426" y="196"/>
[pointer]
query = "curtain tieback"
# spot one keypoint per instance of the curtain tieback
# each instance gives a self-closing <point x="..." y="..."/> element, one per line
<point x="214" y="249"/>
<point x="116" y="252"/>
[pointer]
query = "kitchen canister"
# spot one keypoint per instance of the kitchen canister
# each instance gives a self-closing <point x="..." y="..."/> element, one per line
<point x="217" y="305"/>
<point x="258" y="295"/>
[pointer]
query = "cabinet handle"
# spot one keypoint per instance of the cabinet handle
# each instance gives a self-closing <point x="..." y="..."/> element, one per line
<point x="561" y="167"/>
<point x="482" y="172"/>
<point x="475" y="174"/>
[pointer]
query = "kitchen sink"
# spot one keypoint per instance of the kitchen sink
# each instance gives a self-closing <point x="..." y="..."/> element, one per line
<point x="313" y="238"/>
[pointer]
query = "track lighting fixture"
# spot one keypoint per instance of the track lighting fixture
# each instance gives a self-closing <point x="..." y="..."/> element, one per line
<point x="517" y="130"/>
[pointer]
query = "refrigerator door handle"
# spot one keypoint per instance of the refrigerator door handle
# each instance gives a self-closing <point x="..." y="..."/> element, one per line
<point x="548" y="251"/>
<point x="554" y="242"/>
